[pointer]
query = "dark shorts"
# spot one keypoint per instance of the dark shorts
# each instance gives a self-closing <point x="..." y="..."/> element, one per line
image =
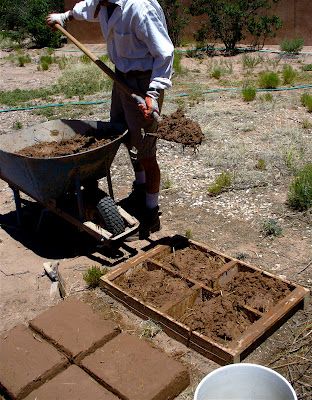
<point x="125" y="110"/>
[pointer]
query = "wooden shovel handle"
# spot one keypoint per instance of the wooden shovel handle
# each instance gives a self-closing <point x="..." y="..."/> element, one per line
<point x="138" y="97"/>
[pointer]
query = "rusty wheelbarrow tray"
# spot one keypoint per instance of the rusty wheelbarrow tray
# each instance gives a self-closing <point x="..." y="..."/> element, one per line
<point x="47" y="179"/>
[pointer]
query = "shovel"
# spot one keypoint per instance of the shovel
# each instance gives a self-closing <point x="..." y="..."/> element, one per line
<point x="137" y="97"/>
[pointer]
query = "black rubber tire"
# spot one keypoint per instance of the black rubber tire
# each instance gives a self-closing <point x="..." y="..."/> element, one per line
<point x="112" y="219"/>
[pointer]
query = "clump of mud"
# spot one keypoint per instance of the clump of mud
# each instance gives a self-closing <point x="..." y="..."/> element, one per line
<point x="180" y="129"/>
<point x="77" y="144"/>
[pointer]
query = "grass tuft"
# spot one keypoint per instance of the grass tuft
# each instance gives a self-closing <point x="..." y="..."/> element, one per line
<point x="249" y="93"/>
<point x="300" y="190"/>
<point x="270" y="227"/>
<point x="221" y="183"/>
<point x="289" y="74"/>
<point x="269" y="80"/>
<point x="292" y="46"/>
<point x="93" y="275"/>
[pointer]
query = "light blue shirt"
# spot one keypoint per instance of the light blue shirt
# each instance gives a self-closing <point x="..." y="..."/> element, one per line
<point x="136" y="35"/>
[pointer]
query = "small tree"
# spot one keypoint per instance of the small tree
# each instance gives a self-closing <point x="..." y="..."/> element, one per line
<point x="176" y="17"/>
<point x="230" y="20"/>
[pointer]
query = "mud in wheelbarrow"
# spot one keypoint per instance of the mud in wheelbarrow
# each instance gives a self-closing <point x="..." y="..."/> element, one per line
<point x="68" y="185"/>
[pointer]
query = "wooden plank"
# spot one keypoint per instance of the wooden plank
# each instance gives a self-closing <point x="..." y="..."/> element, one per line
<point x="131" y="220"/>
<point x="271" y="318"/>
<point x="107" y="235"/>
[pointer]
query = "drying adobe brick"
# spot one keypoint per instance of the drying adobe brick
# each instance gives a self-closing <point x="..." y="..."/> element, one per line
<point x="180" y="129"/>
<point x="256" y="290"/>
<point x="154" y="287"/>
<point x="193" y="263"/>
<point x="217" y="318"/>
<point x="76" y="144"/>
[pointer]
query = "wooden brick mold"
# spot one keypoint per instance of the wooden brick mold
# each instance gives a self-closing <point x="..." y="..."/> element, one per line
<point x="260" y="311"/>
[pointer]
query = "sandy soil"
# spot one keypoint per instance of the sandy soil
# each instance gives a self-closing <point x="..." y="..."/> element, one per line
<point x="237" y="135"/>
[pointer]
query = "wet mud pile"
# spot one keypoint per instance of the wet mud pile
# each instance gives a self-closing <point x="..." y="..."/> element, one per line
<point x="154" y="287"/>
<point x="218" y="318"/>
<point x="194" y="264"/>
<point x="76" y="144"/>
<point x="180" y="129"/>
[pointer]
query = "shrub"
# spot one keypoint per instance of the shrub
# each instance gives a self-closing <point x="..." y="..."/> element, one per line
<point x="23" y="59"/>
<point x="292" y="46"/>
<point x="17" y="125"/>
<point x="251" y="61"/>
<point x="230" y="20"/>
<point x="261" y="164"/>
<point x="289" y="74"/>
<point x="269" y="80"/>
<point x="93" y="275"/>
<point x="176" y="17"/>
<point x="249" y="93"/>
<point x="300" y="190"/>
<point x="268" y="97"/>
<point x="270" y="227"/>
<point x="85" y="59"/>
<point x="306" y="101"/>
<point x="216" y="73"/>
<point x="222" y="182"/>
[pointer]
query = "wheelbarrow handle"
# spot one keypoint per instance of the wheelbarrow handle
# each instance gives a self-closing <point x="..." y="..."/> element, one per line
<point x="138" y="97"/>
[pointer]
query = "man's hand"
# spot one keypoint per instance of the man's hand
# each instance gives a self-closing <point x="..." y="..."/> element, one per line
<point x="151" y="104"/>
<point x="58" y="18"/>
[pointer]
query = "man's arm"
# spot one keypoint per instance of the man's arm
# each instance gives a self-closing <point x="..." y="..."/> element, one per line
<point x="84" y="10"/>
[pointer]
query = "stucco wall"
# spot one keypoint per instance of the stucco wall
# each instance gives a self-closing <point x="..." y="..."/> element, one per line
<point x="296" y="16"/>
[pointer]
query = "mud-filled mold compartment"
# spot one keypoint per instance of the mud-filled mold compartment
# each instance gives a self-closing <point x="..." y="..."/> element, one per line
<point x="211" y="302"/>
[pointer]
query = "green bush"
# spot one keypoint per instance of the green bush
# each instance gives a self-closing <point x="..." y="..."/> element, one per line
<point x="307" y="67"/>
<point x="292" y="46"/>
<point x="289" y="74"/>
<point x="268" y="97"/>
<point x="177" y="18"/>
<point x="300" y="190"/>
<point x="269" y="80"/>
<point x="270" y="227"/>
<point x="306" y="101"/>
<point x="221" y="183"/>
<point x="261" y="165"/>
<point x="216" y="73"/>
<point x="93" y="275"/>
<point x="249" y="93"/>
<point x="23" y="59"/>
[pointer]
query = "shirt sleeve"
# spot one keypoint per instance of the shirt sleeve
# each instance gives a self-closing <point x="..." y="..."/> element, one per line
<point x="84" y="10"/>
<point x="153" y="32"/>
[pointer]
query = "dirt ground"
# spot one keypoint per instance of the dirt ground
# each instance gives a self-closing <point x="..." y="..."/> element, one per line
<point x="237" y="136"/>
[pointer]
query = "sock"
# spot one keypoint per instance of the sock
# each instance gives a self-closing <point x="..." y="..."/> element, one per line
<point x="152" y="200"/>
<point x="140" y="177"/>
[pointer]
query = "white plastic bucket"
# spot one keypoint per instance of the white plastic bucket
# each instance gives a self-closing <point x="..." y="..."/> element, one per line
<point x="244" y="382"/>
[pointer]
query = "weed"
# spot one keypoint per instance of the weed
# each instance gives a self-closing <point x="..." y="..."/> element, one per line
<point x="177" y="66"/>
<point x="250" y="62"/>
<point x="62" y="62"/>
<point x="167" y="183"/>
<point x="289" y="158"/>
<point x="292" y="46"/>
<point x="221" y="183"/>
<point x="241" y="256"/>
<point x="306" y="100"/>
<point x="47" y="59"/>
<point x="195" y="95"/>
<point x="104" y="58"/>
<point x="270" y="227"/>
<point x="268" y="97"/>
<point x="17" y="125"/>
<point x="93" y="275"/>
<point x="149" y="329"/>
<point x="289" y="74"/>
<point x="306" y="124"/>
<point x="249" y="93"/>
<point x="189" y="234"/>
<point x="85" y="59"/>
<point x="300" y="190"/>
<point x="307" y="67"/>
<point x="269" y="80"/>
<point x="23" y="59"/>
<point x="216" y="73"/>
<point x="261" y="164"/>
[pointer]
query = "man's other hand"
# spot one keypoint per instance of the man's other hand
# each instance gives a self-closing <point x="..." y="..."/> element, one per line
<point x="58" y="18"/>
<point x="151" y="104"/>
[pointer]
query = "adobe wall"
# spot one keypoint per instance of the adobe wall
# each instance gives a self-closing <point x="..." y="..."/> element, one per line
<point x="296" y="16"/>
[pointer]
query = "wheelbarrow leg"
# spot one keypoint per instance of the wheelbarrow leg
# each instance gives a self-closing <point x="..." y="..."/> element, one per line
<point x="109" y="183"/>
<point x="18" y="205"/>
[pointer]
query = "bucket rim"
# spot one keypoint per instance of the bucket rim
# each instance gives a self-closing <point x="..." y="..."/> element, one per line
<point x="242" y="365"/>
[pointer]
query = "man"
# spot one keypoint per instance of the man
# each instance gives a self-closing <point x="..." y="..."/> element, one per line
<point x="139" y="45"/>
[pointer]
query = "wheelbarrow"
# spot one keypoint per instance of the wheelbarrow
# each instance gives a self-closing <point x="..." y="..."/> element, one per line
<point x="68" y="185"/>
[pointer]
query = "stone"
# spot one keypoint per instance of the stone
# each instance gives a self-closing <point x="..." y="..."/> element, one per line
<point x="73" y="327"/>
<point x="26" y="361"/>
<point x="134" y="370"/>
<point x="71" y="384"/>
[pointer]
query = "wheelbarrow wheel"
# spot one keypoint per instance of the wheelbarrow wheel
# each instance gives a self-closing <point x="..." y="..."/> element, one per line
<point x="112" y="219"/>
